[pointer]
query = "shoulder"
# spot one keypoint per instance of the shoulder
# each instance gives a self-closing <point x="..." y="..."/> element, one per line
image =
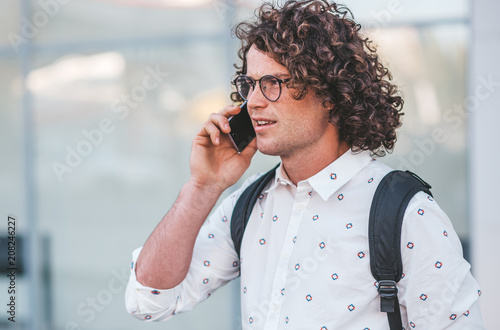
<point x="375" y="169"/>
<point x="225" y="208"/>
<point x="246" y="183"/>
<point x="425" y="220"/>
<point x="370" y="176"/>
<point x="422" y="201"/>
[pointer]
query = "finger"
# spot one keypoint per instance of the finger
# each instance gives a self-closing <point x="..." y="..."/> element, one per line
<point x="230" y="110"/>
<point x="212" y="131"/>
<point x="221" y="119"/>
<point x="219" y="122"/>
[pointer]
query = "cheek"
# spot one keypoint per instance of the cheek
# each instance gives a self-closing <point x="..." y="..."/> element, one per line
<point x="308" y="120"/>
<point x="300" y="127"/>
<point x="306" y="116"/>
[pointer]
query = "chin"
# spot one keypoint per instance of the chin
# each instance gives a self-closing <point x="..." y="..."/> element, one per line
<point x="269" y="153"/>
<point x="269" y="149"/>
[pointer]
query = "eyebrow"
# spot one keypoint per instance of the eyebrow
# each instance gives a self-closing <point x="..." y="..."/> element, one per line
<point x="275" y="74"/>
<point x="281" y="75"/>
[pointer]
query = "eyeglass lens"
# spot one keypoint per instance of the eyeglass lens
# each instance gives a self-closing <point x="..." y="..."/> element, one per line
<point x="269" y="86"/>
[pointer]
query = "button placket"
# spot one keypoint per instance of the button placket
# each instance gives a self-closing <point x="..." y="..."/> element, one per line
<point x="301" y="201"/>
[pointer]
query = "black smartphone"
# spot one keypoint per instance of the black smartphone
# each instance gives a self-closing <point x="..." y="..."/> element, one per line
<point x="242" y="132"/>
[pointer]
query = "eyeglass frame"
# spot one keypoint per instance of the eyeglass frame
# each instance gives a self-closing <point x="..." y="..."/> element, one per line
<point x="254" y="82"/>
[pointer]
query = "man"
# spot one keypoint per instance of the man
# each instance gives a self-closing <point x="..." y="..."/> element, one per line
<point x="320" y="99"/>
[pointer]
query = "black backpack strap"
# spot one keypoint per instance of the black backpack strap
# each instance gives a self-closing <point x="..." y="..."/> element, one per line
<point x="244" y="207"/>
<point x="388" y="207"/>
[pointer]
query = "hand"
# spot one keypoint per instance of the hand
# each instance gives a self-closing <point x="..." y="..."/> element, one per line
<point x="215" y="163"/>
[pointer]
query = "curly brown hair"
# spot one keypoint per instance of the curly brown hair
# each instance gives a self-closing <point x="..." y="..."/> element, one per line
<point x="320" y="44"/>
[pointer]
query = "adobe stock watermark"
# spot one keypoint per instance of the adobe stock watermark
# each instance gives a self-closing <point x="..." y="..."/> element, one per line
<point x="88" y="309"/>
<point x="30" y="28"/>
<point x="383" y="17"/>
<point x="484" y="89"/>
<point x="94" y="137"/>
<point x="441" y="308"/>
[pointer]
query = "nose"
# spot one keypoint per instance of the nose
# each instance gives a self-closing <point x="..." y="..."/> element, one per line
<point x="256" y="99"/>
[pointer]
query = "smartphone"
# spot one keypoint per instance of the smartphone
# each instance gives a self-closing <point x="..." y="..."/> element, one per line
<point x="242" y="132"/>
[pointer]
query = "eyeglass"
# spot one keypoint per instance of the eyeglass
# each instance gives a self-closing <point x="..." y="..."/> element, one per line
<point x="270" y="86"/>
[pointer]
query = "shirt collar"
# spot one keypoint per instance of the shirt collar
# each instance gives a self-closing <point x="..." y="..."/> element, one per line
<point x="280" y="178"/>
<point x="332" y="177"/>
<point x="338" y="173"/>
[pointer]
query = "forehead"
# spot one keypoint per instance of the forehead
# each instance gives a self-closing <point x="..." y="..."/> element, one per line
<point x="260" y="64"/>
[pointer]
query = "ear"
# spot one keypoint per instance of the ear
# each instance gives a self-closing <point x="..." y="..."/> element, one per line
<point x="329" y="105"/>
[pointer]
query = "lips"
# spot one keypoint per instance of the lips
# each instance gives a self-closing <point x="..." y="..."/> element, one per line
<point x="262" y="124"/>
<point x="265" y="122"/>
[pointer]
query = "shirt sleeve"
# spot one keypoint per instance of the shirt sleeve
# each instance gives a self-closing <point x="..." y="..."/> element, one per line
<point x="437" y="290"/>
<point x="214" y="263"/>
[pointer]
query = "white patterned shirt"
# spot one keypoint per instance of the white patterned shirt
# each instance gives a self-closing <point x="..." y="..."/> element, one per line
<point x="305" y="261"/>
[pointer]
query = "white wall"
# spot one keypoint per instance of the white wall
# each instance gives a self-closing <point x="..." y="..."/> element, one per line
<point x="484" y="157"/>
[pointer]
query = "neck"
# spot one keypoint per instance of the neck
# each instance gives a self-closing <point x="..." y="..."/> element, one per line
<point x="302" y="167"/>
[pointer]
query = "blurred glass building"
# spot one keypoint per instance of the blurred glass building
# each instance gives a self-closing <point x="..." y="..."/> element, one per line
<point x="99" y="102"/>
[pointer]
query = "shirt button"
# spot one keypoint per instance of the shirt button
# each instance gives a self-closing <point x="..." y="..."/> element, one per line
<point x="275" y="306"/>
<point x="285" y="256"/>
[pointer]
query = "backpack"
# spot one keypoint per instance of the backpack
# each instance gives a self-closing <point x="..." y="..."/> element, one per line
<point x="384" y="230"/>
